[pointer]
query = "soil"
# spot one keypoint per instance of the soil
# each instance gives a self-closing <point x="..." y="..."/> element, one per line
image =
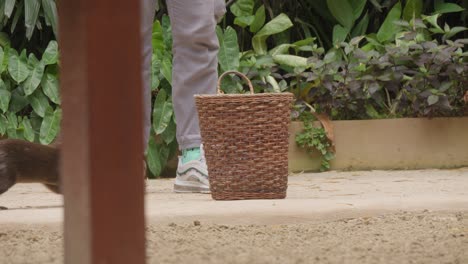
<point x="401" y="237"/>
<point x="333" y="217"/>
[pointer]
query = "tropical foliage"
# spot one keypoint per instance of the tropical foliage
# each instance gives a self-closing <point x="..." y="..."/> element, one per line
<point x="29" y="94"/>
<point x="350" y="59"/>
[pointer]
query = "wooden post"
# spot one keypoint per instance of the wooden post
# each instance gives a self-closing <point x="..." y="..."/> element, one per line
<point x="102" y="153"/>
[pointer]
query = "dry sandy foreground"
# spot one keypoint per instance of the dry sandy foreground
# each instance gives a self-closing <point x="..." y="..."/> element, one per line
<point x="348" y="217"/>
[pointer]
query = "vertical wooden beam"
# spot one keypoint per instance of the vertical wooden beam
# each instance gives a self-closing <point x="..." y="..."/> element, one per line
<point x="102" y="152"/>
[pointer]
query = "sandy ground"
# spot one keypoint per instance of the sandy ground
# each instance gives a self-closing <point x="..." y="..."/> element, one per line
<point x="404" y="237"/>
<point x="347" y="217"/>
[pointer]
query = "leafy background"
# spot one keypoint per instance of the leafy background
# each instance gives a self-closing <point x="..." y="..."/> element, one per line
<point x="29" y="92"/>
<point x="349" y="59"/>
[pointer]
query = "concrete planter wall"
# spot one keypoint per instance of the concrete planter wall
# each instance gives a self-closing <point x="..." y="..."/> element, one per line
<point x="410" y="143"/>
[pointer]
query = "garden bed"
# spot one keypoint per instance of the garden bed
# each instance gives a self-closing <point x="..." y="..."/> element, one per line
<point x="390" y="144"/>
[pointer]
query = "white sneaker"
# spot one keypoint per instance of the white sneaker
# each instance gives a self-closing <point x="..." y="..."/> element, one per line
<point x="192" y="177"/>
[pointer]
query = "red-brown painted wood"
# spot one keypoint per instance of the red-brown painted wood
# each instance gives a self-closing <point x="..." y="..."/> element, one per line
<point x="102" y="131"/>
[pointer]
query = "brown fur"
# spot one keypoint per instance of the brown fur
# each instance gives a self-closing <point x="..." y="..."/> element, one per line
<point x="26" y="162"/>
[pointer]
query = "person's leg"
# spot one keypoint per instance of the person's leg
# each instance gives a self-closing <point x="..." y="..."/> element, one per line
<point x="147" y="17"/>
<point x="195" y="49"/>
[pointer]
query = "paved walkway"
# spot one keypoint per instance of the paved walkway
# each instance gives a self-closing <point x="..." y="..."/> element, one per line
<point x="310" y="197"/>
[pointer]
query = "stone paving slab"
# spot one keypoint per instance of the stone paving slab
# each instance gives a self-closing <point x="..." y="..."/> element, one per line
<point x="311" y="197"/>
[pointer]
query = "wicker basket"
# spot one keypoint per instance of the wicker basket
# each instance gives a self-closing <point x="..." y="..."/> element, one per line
<point x="245" y="140"/>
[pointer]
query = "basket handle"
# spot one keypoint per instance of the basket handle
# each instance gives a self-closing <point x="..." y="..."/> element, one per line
<point x="238" y="74"/>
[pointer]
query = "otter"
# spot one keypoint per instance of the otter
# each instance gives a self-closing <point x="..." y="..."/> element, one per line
<point x="26" y="162"/>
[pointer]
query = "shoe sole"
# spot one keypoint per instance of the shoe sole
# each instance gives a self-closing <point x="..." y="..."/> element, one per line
<point x="190" y="189"/>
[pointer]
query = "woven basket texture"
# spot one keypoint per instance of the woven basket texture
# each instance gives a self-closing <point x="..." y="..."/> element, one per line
<point x="245" y="139"/>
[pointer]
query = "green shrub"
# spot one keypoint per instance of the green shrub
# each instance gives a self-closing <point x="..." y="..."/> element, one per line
<point x="29" y="94"/>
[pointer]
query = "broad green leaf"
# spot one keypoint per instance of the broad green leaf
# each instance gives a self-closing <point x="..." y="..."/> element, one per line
<point x="9" y="6"/>
<point x="39" y="102"/>
<point x="275" y="26"/>
<point x="5" y="97"/>
<point x="442" y="8"/>
<point x="244" y="21"/>
<point x="18" y="13"/>
<point x="331" y="56"/>
<point x="433" y="99"/>
<point x="50" y="125"/>
<point x="155" y="69"/>
<point x="342" y="11"/>
<point x="433" y="21"/>
<point x="230" y="86"/>
<point x="264" y="61"/>
<point x="4" y="39"/>
<point x="445" y="86"/>
<point x="259" y="20"/>
<point x="358" y="7"/>
<point x="18" y="66"/>
<point x="3" y="125"/>
<point x="290" y="60"/>
<point x="18" y="100"/>
<point x="50" y="13"/>
<point x="243" y="8"/>
<point x="371" y="112"/>
<point x="28" y="132"/>
<point x="51" y="54"/>
<point x="305" y="42"/>
<point x="5" y="59"/>
<point x="274" y="84"/>
<point x="36" y="122"/>
<point x="388" y="29"/>
<point x="31" y="12"/>
<point x="32" y="60"/>
<point x="50" y="87"/>
<point x="413" y="9"/>
<point x="339" y="34"/>
<point x="157" y="39"/>
<point x="166" y="69"/>
<point x="2" y="11"/>
<point x="2" y="54"/>
<point x="169" y="133"/>
<point x="228" y="49"/>
<point x="361" y="28"/>
<point x="162" y="112"/>
<point x="34" y="79"/>
<point x="453" y="31"/>
<point x="281" y="49"/>
<point x="163" y="155"/>
<point x="152" y="158"/>
<point x="12" y="125"/>
<point x="167" y="31"/>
